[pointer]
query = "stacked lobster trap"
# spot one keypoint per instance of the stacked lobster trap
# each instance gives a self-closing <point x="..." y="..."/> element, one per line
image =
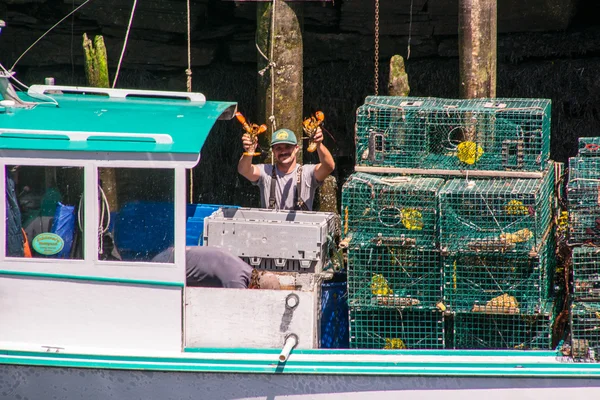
<point x="478" y="134"/>
<point x="583" y="193"/>
<point x="450" y="220"/>
<point x="394" y="275"/>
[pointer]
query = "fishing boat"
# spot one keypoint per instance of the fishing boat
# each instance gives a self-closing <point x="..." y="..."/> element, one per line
<point x="79" y="323"/>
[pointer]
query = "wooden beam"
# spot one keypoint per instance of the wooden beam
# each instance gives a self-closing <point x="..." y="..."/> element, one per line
<point x="450" y="172"/>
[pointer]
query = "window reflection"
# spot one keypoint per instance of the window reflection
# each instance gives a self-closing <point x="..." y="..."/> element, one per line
<point x="42" y="206"/>
<point x="137" y="211"/>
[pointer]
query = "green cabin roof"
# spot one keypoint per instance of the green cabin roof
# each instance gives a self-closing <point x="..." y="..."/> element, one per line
<point x="76" y="119"/>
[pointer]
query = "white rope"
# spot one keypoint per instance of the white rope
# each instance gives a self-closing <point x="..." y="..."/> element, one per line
<point x="125" y="43"/>
<point x="48" y="31"/>
<point x="188" y="73"/>
<point x="270" y="66"/>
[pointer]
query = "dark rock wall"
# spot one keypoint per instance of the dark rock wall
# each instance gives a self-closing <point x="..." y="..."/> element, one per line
<point x="546" y="48"/>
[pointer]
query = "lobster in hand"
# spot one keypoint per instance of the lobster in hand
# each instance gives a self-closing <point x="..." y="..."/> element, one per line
<point x="251" y="129"/>
<point x="310" y="125"/>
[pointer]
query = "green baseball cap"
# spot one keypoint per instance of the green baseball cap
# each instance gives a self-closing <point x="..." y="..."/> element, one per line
<point x="283" y="136"/>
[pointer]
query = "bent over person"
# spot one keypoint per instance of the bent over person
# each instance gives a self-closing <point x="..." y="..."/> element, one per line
<point x="211" y="267"/>
<point x="286" y="185"/>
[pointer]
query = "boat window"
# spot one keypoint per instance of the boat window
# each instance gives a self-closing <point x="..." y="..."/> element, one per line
<point x="137" y="213"/>
<point x="42" y="209"/>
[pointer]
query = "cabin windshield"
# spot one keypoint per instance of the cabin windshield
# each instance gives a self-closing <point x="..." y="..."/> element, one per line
<point x="46" y="216"/>
<point x="41" y="211"/>
<point x="141" y="208"/>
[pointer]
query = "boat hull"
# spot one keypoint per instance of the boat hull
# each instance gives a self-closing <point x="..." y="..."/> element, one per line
<point x="30" y="381"/>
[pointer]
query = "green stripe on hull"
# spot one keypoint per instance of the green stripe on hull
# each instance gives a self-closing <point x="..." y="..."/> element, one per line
<point x="269" y="365"/>
<point x="90" y="278"/>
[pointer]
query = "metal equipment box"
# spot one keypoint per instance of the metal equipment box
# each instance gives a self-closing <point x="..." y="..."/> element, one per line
<point x="274" y="240"/>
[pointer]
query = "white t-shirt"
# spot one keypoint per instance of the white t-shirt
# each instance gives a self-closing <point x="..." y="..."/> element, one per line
<point x="285" y="186"/>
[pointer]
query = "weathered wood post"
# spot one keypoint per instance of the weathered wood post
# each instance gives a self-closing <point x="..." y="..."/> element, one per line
<point x="477" y="43"/>
<point x="96" y="68"/>
<point x="280" y="65"/>
<point x="96" y="72"/>
<point x="398" y="83"/>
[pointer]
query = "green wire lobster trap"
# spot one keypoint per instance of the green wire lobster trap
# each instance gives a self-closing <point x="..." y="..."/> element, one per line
<point x="584" y="226"/>
<point x="394" y="329"/>
<point x="532" y="331"/>
<point x="586" y="273"/>
<point x="388" y="275"/>
<point x="585" y="331"/>
<point x="584" y="182"/>
<point x="397" y="208"/>
<point x="496" y="215"/>
<point x="499" y="283"/>
<point x="434" y="133"/>
<point x="583" y="196"/>
<point x="588" y="146"/>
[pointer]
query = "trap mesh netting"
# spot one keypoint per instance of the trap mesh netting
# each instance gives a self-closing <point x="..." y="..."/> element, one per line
<point x="499" y="283"/>
<point x="484" y="134"/>
<point x="414" y="328"/>
<point x="532" y="331"/>
<point x="392" y="276"/>
<point x="583" y="193"/>
<point x="588" y="146"/>
<point x="398" y="208"/>
<point x="496" y="215"/>
<point x="585" y="330"/>
<point x="586" y="273"/>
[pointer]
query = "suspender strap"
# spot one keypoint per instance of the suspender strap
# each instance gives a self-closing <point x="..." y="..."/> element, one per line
<point x="300" y="204"/>
<point x="272" y="201"/>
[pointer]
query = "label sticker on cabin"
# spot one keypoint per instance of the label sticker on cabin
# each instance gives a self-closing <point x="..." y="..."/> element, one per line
<point x="48" y="244"/>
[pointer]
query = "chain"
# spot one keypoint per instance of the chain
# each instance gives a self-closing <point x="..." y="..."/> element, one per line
<point x="409" y="30"/>
<point x="376" y="47"/>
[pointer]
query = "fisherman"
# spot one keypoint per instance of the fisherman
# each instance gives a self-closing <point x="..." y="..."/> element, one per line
<point x="214" y="267"/>
<point x="211" y="267"/>
<point x="286" y="185"/>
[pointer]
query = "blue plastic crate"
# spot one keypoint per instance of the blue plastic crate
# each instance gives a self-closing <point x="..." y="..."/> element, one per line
<point x="334" y="316"/>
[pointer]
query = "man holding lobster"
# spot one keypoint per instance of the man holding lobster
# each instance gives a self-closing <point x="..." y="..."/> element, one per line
<point x="286" y="185"/>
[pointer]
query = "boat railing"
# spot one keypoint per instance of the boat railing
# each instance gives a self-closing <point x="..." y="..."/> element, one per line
<point x="117" y="93"/>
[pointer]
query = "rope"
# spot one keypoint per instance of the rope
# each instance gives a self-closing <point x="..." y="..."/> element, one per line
<point x="376" y="47"/>
<point x="270" y="66"/>
<point x="188" y="73"/>
<point x="272" y="116"/>
<point x="125" y="43"/>
<point x="48" y="31"/>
